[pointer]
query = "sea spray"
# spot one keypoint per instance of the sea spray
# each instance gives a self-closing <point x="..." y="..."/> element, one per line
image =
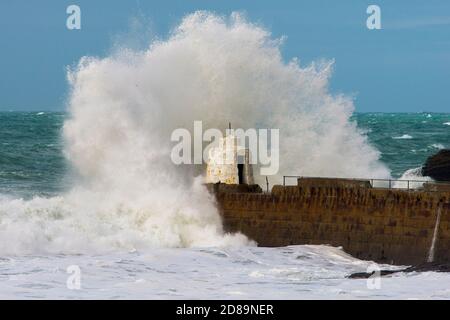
<point x="123" y="108"/>
<point x="412" y="179"/>
<point x="215" y="70"/>
<point x="86" y="221"/>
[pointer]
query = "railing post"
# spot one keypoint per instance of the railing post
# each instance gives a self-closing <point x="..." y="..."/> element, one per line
<point x="408" y="185"/>
<point x="390" y="183"/>
<point x="284" y="180"/>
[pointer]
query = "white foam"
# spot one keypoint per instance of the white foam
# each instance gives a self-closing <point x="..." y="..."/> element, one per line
<point x="405" y="136"/>
<point x="447" y="123"/>
<point x="297" y="272"/>
<point x="415" y="177"/>
<point x="438" y="146"/>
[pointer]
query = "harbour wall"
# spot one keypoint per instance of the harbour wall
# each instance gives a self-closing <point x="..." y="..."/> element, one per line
<point x="384" y="225"/>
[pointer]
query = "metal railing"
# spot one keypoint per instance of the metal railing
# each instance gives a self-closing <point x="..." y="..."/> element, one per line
<point x="383" y="183"/>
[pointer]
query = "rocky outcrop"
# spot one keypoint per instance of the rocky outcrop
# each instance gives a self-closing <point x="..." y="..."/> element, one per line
<point x="438" y="166"/>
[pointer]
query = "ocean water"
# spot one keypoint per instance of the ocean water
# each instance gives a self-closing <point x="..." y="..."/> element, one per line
<point x="33" y="168"/>
<point x="406" y="140"/>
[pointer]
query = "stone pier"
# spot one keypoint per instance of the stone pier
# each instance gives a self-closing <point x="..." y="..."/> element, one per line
<point x="385" y="225"/>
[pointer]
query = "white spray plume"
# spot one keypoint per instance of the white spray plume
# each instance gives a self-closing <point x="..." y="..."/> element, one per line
<point x="124" y="107"/>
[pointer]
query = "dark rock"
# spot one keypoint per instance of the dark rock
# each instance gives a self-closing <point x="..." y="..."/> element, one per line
<point x="438" y="166"/>
<point x="425" y="267"/>
<point x="366" y="275"/>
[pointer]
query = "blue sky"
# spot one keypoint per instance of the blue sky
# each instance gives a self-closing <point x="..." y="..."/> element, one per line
<point x="405" y="67"/>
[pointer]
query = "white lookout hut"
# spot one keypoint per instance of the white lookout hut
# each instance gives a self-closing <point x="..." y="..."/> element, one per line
<point x="229" y="163"/>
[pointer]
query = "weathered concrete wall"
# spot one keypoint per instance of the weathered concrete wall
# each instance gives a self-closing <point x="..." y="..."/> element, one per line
<point x="392" y="226"/>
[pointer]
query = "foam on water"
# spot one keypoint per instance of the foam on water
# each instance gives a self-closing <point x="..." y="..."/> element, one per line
<point x="297" y="272"/>
<point x="405" y="136"/>
<point x="438" y="146"/>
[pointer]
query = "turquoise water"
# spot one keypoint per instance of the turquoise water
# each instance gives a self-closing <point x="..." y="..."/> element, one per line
<point x="405" y="140"/>
<point x="32" y="160"/>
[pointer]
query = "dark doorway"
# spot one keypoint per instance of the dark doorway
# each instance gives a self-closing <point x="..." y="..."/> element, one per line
<point x="241" y="173"/>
